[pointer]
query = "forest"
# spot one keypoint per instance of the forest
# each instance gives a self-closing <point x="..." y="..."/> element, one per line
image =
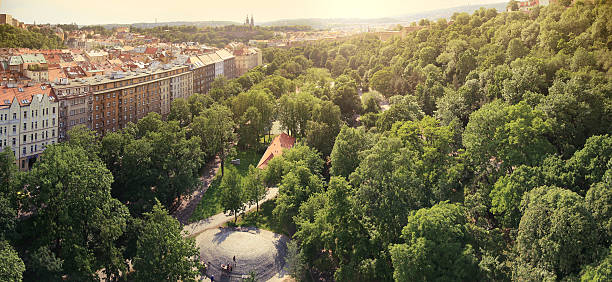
<point x="215" y="36"/>
<point x="36" y="38"/>
<point x="476" y="149"/>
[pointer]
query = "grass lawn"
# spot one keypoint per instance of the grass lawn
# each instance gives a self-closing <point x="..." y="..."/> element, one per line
<point x="211" y="204"/>
<point x="263" y="221"/>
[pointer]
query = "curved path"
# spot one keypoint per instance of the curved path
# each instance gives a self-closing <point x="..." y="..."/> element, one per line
<point x="191" y="201"/>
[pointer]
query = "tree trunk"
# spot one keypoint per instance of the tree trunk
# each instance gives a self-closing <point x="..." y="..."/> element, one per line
<point x="235" y="216"/>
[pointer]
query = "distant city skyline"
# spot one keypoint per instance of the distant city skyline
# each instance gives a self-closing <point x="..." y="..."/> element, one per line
<point x="134" y="11"/>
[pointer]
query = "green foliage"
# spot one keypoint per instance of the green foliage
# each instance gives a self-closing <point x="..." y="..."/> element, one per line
<point x="11" y="266"/>
<point x="232" y="193"/>
<point x="9" y="194"/>
<point x="346" y="154"/>
<point x="324" y="127"/>
<point x="402" y="109"/>
<point x="179" y="111"/>
<point x="217" y="36"/>
<point x="254" y="190"/>
<point x="599" y="202"/>
<point x="163" y="254"/>
<point x="12" y="37"/>
<point x="437" y="247"/>
<point x="504" y="136"/>
<point x="152" y="153"/>
<point x="295" y="188"/>
<point x="601" y="271"/>
<point x="75" y="212"/>
<point x="299" y="155"/>
<point x="556" y="234"/>
<point x="215" y="127"/>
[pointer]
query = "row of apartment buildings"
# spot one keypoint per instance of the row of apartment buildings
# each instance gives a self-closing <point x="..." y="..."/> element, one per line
<point x="36" y="115"/>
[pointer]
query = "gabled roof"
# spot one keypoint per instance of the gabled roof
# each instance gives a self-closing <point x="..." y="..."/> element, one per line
<point x="276" y="148"/>
<point x="15" y="60"/>
<point x="24" y="95"/>
<point x="224" y="54"/>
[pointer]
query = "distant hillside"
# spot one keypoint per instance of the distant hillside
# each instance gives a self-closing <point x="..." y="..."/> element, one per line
<point x="318" y="23"/>
<point x="447" y="13"/>
<point x="179" y="23"/>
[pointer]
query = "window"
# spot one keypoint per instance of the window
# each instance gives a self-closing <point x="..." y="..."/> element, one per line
<point x="23" y="150"/>
<point x="25" y="114"/>
<point x="53" y="133"/>
<point x="25" y="126"/>
<point x="14" y="115"/>
<point x="14" y="129"/>
<point x="14" y="141"/>
<point x="53" y="110"/>
<point x="24" y="138"/>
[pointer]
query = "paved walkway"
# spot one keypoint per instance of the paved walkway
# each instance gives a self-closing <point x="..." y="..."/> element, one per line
<point x="190" y="202"/>
<point x="219" y="219"/>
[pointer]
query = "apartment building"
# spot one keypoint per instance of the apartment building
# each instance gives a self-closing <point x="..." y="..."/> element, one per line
<point x="246" y="59"/>
<point x="28" y="121"/>
<point x="229" y="63"/>
<point x="121" y="98"/>
<point x="209" y="72"/>
<point x="75" y="105"/>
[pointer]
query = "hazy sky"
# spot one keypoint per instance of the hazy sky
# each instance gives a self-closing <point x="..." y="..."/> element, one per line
<point x="130" y="11"/>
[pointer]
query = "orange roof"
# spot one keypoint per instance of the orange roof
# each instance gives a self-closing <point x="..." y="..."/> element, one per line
<point x="56" y="73"/>
<point x="280" y="143"/>
<point x="26" y="93"/>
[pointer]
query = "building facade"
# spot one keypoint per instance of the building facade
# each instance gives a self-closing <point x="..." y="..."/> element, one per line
<point x="75" y="106"/>
<point x="119" y="99"/>
<point x="246" y="59"/>
<point x="28" y="121"/>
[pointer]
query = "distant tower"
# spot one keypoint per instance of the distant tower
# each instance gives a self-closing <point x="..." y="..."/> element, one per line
<point x="252" y="20"/>
<point x="246" y="22"/>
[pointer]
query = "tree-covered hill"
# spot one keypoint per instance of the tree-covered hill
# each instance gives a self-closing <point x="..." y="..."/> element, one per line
<point x="481" y="150"/>
<point x="11" y="37"/>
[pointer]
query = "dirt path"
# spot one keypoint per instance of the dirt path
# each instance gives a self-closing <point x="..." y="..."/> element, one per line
<point x="190" y="202"/>
<point x="219" y="219"/>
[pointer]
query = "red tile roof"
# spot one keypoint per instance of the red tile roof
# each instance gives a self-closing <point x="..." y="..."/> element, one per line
<point x="280" y="143"/>
<point x="9" y="94"/>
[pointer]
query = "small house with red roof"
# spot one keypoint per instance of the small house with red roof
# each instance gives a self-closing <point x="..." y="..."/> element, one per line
<point x="279" y="144"/>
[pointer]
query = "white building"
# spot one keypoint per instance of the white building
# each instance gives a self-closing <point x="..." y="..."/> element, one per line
<point x="28" y="122"/>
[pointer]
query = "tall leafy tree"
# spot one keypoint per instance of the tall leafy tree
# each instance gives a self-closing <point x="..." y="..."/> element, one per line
<point x="11" y="266"/>
<point x="347" y="151"/>
<point x="253" y="186"/>
<point x="232" y="194"/>
<point x="295" y="188"/>
<point x="8" y="192"/>
<point x="324" y="127"/>
<point x="74" y="213"/>
<point x="163" y="253"/>
<point x="556" y="235"/>
<point x="437" y="246"/>
<point x="215" y="128"/>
